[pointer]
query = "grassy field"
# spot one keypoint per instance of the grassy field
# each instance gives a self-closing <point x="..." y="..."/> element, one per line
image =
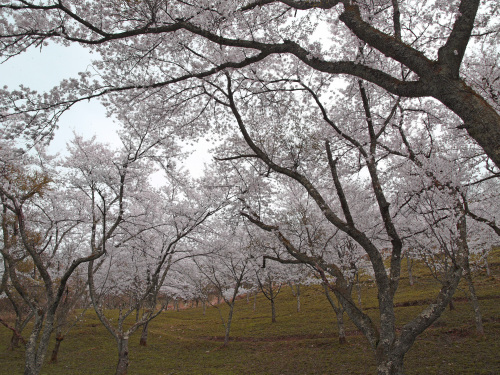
<point x="188" y="342"/>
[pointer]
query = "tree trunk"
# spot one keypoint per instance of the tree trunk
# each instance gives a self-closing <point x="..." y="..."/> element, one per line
<point x="16" y="334"/>
<point x="340" y="325"/>
<point x="468" y="277"/>
<point x="37" y="345"/>
<point x="298" y="297"/>
<point x="271" y="298"/>
<point x="487" y="265"/>
<point x="30" y="363"/>
<point x="144" y="335"/>
<point x="14" y="341"/>
<point x="204" y="304"/>
<point x="339" y="312"/>
<point x="228" y="324"/>
<point x="55" y="351"/>
<point x="273" y="311"/>
<point x="451" y="305"/>
<point x="121" y="368"/>
<point x="254" y="301"/>
<point x="475" y="303"/>
<point x="390" y="366"/>
<point x="358" y="291"/>
<point x="409" y="263"/>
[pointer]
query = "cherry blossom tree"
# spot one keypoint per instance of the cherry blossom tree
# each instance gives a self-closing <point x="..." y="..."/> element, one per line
<point x="106" y="183"/>
<point x="228" y="267"/>
<point x="446" y="187"/>
<point x="304" y="230"/>
<point x="147" y="226"/>
<point x="354" y="149"/>
<point x="45" y="217"/>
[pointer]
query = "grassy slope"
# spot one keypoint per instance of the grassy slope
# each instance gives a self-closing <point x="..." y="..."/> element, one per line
<point x="187" y="342"/>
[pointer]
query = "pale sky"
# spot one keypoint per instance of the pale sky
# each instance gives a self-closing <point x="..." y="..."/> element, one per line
<point x="41" y="70"/>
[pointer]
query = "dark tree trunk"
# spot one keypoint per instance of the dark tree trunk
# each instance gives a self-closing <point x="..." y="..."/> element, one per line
<point x="298" y="297"/>
<point x="16" y="334"/>
<point x="273" y="311"/>
<point x="144" y="335"/>
<point x="55" y="351"/>
<point x="121" y="368"/>
<point x="481" y="121"/>
<point x="14" y="341"/>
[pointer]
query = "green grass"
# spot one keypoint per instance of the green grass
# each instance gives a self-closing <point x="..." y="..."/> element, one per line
<point x="188" y="342"/>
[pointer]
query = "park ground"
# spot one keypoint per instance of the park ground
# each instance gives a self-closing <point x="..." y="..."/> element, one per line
<point x="305" y="342"/>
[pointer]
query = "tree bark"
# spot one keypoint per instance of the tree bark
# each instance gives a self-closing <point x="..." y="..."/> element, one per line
<point x="298" y="297"/>
<point x="273" y="311"/>
<point x="55" y="351"/>
<point x="474" y="302"/>
<point x="37" y="345"/>
<point x="390" y="366"/>
<point x="14" y="341"/>
<point x="487" y="266"/>
<point x="144" y="335"/>
<point x="358" y="291"/>
<point x="228" y="324"/>
<point x="341" y="326"/>
<point x="339" y="313"/>
<point x="481" y="121"/>
<point x="121" y="368"/>
<point x="468" y="277"/>
<point x="409" y="263"/>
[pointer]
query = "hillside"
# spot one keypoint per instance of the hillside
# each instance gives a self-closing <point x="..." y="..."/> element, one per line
<point x="305" y="342"/>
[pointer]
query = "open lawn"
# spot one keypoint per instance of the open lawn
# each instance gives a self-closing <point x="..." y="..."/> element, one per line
<point x="188" y="342"/>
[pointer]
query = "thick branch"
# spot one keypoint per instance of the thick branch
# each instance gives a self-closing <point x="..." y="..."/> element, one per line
<point x="452" y="53"/>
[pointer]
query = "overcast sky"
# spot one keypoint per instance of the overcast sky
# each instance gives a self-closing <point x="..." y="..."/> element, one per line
<point x="41" y="70"/>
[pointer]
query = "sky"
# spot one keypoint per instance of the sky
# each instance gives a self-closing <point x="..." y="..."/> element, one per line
<point x="42" y="69"/>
